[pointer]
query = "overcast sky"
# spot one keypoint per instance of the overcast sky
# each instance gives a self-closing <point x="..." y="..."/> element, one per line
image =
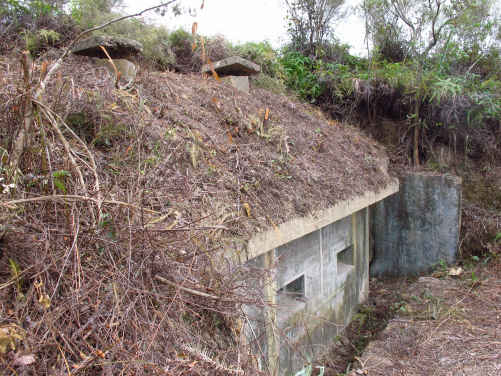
<point x="246" y="20"/>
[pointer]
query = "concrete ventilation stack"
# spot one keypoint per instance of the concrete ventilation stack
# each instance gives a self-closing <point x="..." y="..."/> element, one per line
<point x="119" y="50"/>
<point x="234" y="71"/>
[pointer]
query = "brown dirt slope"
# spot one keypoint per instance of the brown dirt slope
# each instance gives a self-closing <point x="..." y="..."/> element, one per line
<point x="440" y="324"/>
<point x="203" y="141"/>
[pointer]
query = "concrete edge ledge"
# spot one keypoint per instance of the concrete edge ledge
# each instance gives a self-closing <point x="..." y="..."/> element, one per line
<point x="247" y="67"/>
<point x="296" y="228"/>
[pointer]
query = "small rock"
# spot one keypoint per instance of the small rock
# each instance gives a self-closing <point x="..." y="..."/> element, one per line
<point x="457" y="270"/>
<point x="408" y="309"/>
<point x="345" y="342"/>
<point x="379" y="361"/>
<point x="430" y="281"/>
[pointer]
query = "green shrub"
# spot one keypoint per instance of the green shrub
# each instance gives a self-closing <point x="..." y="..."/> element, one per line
<point x="37" y="41"/>
<point x="305" y="76"/>
<point x="34" y="25"/>
<point x="273" y="84"/>
<point x="337" y="52"/>
<point x="180" y="37"/>
<point x="11" y="11"/>
<point x="263" y="54"/>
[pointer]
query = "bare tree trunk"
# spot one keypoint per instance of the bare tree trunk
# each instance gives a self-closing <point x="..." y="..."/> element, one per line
<point x="417" y="105"/>
<point x="416" y="133"/>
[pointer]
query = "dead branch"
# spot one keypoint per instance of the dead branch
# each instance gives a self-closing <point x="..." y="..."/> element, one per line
<point x="28" y="118"/>
<point x="193" y="292"/>
<point x="73" y="198"/>
<point x="93" y="168"/>
<point x="66" y="147"/>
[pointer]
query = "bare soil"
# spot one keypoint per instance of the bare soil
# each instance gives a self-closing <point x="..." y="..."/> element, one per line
<point x="439" y="324"/>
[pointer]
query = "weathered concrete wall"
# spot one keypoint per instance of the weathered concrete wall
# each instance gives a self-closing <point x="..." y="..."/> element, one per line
<point x="416" y="228"/>
<point x="329" y="251"/>
<point x="127" y="68"/>
<point x="333" y="262"/>
<point x="240" y="82"/>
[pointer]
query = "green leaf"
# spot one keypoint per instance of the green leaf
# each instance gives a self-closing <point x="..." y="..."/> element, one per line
<point x="15" y="271"/>
<point x="58" y="183"/>
<point x="105" y="219"/>
<point x="60" y="174"/>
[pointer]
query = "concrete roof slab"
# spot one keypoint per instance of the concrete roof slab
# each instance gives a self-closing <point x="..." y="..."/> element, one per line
<point x="286" y="232"/>
<point x="117" y="47"/>
<point x="233" y="66"/>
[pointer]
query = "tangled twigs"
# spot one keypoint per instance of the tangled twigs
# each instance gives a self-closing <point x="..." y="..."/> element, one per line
<point x="93" y="166"/>
<point x="41" y="88"/>
<point x="193" y="292"/>
<point x="90" y="360"/>
<point x="28" y="118"/>
<point x="66" y="146"/>
<point x="67" y="149"/>
<point x="9" y="204"/>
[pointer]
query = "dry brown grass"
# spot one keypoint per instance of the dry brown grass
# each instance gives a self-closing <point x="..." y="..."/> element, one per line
<point x="122" y="271"/>
<point x="436" y="325"/>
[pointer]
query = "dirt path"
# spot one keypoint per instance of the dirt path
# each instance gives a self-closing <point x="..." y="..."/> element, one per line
<point x="440" y="324"/>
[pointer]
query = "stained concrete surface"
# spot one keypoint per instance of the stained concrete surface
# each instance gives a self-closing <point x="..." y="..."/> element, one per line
<point x="418" y="227"/>
<point x="116" y="47"/>
<point x="127" y="68"/>
<point x="233" y="66"/>
<point x="240" y="82"/>
<point x="330" y="294"/>
<point x="262" y="242"/>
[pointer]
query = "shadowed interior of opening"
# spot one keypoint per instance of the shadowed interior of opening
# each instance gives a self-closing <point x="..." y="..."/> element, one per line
<point x="345" y="260"/>
<point x="293" y="291"/>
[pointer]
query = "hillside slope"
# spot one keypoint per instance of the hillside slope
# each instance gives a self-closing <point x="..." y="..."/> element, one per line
<point x="111" y="234"/>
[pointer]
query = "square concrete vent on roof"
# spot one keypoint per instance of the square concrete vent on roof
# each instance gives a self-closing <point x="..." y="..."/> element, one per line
<point x="233" y="66"/>
<point x="117" y="47"/>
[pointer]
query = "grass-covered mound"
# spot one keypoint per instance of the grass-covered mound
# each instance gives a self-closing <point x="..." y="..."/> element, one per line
<point x="118" y="214"/>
